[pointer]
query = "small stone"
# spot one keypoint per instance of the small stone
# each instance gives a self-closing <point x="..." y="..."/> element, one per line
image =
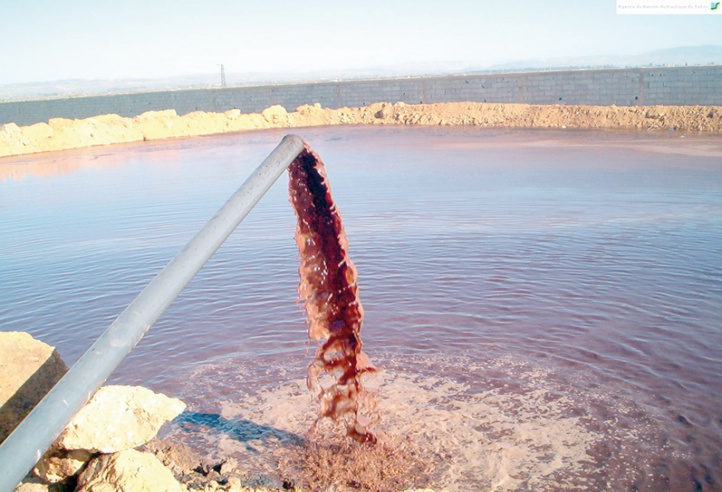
<point x="235" y="484"/>
<point x="128" y="470"/>
<point x="57" y="465"/>
<point x="36" y="485"/>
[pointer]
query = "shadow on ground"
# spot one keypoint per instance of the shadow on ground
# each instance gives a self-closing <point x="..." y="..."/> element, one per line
<point x="241" y="430"/>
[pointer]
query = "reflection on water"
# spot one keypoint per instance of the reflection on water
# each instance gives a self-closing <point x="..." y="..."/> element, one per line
<point x="593" y="256"/>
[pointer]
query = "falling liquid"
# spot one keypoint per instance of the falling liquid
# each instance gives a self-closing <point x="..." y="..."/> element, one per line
<point x="328" y="286"/>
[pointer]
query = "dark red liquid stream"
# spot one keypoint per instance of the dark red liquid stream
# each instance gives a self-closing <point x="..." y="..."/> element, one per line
<point x="328" y="286"/>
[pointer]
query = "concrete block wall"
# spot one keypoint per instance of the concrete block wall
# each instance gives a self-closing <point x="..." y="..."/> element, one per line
<point x="621" y="87"/>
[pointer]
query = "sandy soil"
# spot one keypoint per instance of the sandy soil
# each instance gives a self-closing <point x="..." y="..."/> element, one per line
<point x="60" y="133"/>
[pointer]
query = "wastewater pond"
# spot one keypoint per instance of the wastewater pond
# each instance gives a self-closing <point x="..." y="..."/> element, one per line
<point x="544" y="306"/>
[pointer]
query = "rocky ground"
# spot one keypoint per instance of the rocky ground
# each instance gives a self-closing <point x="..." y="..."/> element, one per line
<point x="112" y="443"/>
<point x="60" y="134"/>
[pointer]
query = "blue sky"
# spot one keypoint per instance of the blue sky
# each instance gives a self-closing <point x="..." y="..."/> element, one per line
<point x="44" y="40"/>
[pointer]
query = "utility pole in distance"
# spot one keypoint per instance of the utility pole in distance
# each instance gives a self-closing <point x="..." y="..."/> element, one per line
<point x="223" y="76"/>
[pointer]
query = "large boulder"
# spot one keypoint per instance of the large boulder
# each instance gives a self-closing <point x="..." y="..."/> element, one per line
<point x="115" y="419"/>
<point x="127" y="471"/>
<point x="29" y="369"/>
<point x="118" y="418"/>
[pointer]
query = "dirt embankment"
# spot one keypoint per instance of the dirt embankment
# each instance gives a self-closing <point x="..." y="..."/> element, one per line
<point x="59" y="133"/>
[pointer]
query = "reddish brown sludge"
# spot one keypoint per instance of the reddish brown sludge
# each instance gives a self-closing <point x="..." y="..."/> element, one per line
<point x="329" y="290"/>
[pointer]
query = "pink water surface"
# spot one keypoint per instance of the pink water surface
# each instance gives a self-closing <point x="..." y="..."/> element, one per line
<point x="595" y="256"/>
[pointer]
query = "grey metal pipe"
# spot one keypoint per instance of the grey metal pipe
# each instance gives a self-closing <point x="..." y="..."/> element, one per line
<point x="26" y="445"/>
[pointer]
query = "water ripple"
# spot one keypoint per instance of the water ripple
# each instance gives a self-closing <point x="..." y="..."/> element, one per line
<point x="616" y="272"/>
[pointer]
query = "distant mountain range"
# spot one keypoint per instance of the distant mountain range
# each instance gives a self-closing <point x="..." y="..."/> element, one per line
<point x="692" y="56"/>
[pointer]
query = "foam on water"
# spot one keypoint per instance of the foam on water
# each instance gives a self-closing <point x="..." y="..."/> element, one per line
<point x="483" y="422"/>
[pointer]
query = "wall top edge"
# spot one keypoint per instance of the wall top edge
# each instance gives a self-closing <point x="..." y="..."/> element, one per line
<point x="325" y="82"/>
